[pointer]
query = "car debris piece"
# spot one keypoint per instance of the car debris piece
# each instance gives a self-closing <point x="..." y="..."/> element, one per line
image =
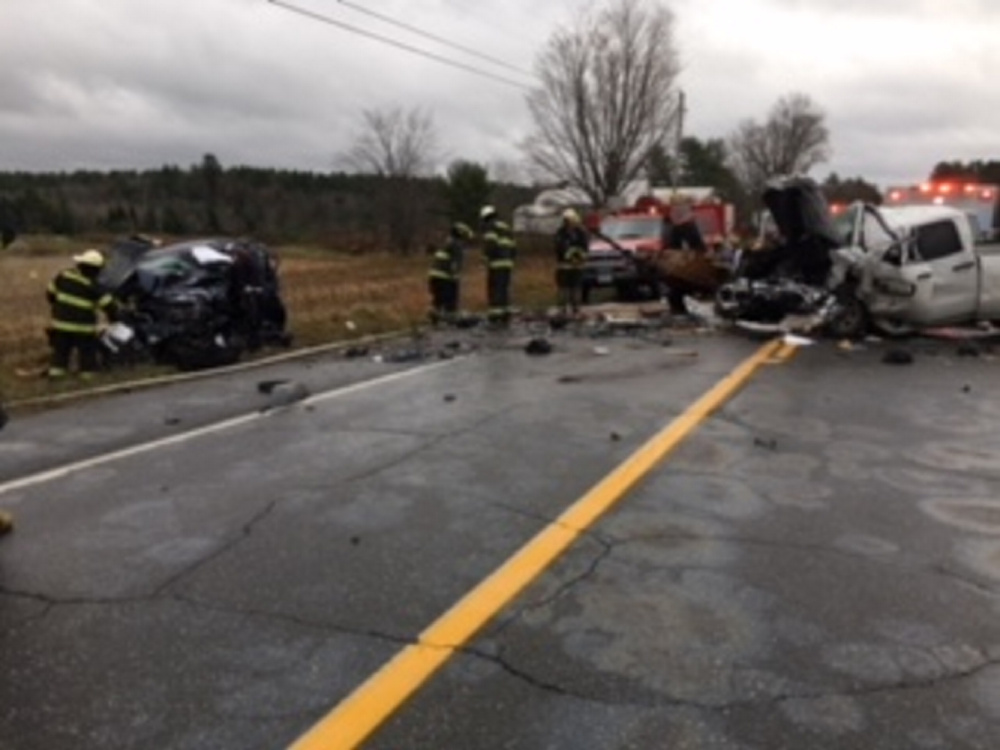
<point x="897" y="357"/>
<point x="538" y="346"/>
<point x="267" y="386"/>
<point x="3" y="417"/>
<point x="286" y="393"/>
<point x="449" y="397"/>
<point x="792" y="339"/>
<point x="615" y="437"/>
<point x="354" y="352"/>
<point x="770" y="444"/>
<point x="404" y="356"/>
<point x="602" y="351"/>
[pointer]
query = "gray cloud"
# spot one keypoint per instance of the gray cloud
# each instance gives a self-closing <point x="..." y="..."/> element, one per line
<point x="117" y="83"/>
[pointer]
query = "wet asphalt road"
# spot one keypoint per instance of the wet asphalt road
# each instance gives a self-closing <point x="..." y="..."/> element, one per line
<point x="817" y="566"/>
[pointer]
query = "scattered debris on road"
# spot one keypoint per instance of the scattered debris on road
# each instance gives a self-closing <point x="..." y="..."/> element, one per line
<point x="282" y="393"/>
<point x="898" y="357"/>
<point x="538" y="346"/>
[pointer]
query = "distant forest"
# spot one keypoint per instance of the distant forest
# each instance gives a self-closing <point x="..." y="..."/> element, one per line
<point x="350" y="212"/>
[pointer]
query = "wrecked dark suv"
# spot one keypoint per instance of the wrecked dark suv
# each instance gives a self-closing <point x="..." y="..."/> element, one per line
<point x="201" y="303"/>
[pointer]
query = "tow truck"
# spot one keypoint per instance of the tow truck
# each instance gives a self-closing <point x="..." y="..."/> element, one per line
<point x="625" y="243"/>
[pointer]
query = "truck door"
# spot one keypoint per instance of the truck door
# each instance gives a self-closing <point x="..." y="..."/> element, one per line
<point x="951" y="270"/>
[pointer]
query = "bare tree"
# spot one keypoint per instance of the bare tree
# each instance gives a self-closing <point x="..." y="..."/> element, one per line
<point x="394" y="143"/>
<point x="607" y="97"/>
<point x="398" y="146"/>
<point x="792" y="140"/>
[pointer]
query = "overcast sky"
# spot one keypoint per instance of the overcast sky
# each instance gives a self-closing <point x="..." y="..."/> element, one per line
<point x="140" y="83"/>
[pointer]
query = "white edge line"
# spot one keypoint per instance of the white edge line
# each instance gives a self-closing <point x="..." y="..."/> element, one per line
<point x="62" y="471"/>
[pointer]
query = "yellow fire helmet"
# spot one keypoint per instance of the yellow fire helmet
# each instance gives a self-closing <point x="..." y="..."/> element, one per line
<point x="94" y="258"/>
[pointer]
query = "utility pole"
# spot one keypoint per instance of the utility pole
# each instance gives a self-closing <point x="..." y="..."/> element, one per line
<point x="676" y="166"/>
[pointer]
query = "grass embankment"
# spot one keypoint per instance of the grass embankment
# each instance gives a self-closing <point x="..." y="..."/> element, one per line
<point x="378" y="292"/>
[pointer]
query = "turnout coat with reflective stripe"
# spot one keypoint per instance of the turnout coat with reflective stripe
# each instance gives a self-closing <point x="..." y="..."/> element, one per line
<point x="446" y="262"/>
<point x="498" y="246"/>
<point x="75" y="302"/>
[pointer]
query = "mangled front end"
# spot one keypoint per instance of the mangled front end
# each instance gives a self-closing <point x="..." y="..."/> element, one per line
<point x="800" y="281"/>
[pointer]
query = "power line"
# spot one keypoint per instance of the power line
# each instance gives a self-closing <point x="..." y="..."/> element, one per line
<point x="395" y="43"/>
<point x="434" y="37"/>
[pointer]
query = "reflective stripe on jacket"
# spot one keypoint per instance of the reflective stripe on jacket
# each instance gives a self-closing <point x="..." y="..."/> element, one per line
<point x="446" y="262"/>
<point x="75" y="301"/>
<point x="499" y="248"/>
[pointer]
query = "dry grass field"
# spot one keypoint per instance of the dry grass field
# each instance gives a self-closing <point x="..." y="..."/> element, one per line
<point x="379" y="293"/>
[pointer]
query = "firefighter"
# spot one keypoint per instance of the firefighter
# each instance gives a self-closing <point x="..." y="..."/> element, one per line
<point x="499" y="252"/>
<point x="246" y="288"/>
<point x="445" y="273"/>
<point x="75" y="299"/>
<point x="571" y="255"/>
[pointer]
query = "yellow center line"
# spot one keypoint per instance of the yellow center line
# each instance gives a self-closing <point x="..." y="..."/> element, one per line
<point x="362" y="712"/>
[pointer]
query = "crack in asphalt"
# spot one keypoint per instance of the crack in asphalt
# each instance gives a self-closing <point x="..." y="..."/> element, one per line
<point x="246" y="531"/>
<point x="935" y="569"/>
<point x="66" y="601"/>
<point x="667" y="701"/>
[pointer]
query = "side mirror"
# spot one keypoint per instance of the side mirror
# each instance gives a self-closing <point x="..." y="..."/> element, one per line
<point x="894" y="255"/>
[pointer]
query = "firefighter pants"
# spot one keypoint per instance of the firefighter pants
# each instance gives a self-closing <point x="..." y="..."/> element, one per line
<point x="444" y="295"/>
<point x="64" y="343"/>
<point x="498" y="292"/>
<point x="569" y="282"/>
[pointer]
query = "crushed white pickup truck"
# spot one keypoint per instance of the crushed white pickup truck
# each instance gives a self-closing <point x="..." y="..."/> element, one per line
<point x="895" y="270"/>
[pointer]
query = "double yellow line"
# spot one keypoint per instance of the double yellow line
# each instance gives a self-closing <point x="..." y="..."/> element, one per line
<point x="361" y="713"/>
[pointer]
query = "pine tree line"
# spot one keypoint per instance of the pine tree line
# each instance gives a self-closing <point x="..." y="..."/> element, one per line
<point x="353" y="212"/>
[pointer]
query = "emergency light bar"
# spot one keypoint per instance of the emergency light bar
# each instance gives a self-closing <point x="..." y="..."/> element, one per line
<point x="932" y="191"/>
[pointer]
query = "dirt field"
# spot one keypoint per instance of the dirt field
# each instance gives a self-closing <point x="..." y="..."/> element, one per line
<point x="323" y="291"/>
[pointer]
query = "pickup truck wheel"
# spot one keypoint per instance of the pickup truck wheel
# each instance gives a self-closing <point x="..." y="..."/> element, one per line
<point x="850" y="321"/>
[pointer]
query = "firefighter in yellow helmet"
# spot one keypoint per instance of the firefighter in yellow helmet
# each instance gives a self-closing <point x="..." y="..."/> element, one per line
<point x="571" y="255"/>
<point x="76" y="299"/>
<point x="446" y="271"/>
<point x="499" y="252"/>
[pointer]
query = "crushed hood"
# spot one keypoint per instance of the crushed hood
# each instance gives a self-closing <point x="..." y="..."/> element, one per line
<point x="800" y="211"/>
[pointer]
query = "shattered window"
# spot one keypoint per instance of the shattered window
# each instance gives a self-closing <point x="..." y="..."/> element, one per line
<point x="937" y="240"/>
